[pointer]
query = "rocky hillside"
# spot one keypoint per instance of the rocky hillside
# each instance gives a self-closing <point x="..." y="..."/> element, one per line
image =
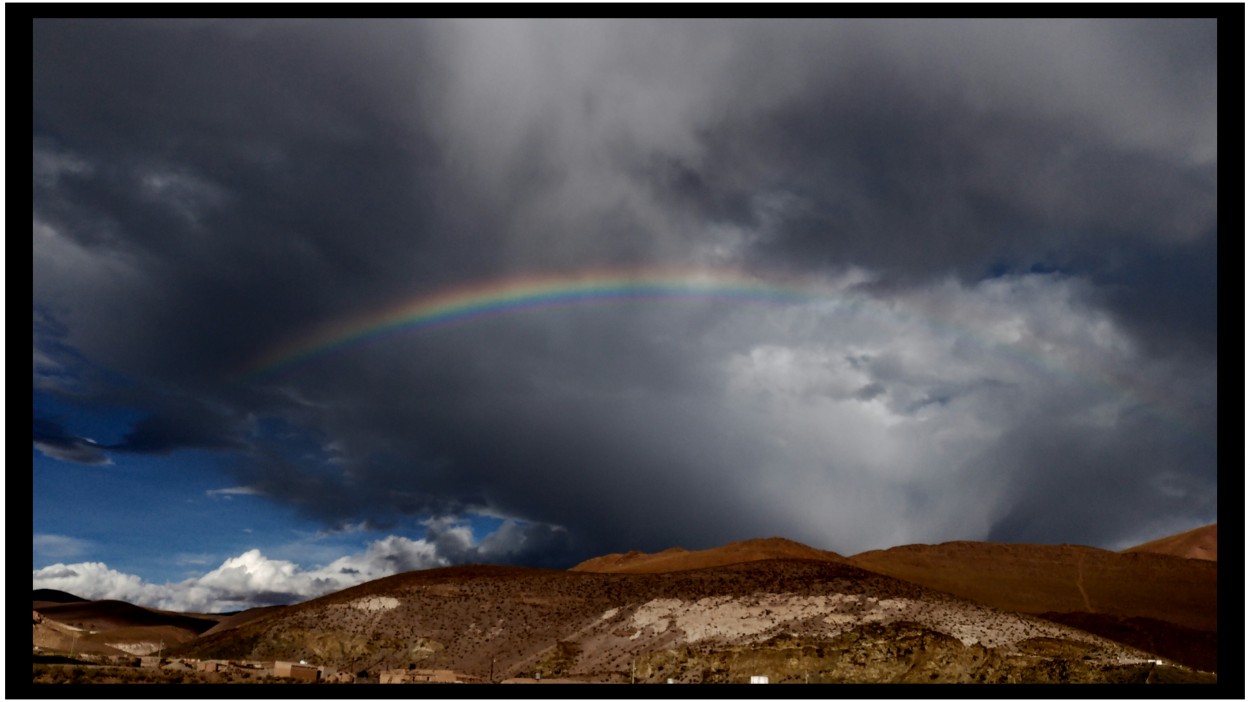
<point x="789" y="619"/>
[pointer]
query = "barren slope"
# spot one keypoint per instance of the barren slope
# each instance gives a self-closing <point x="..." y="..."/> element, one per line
<point x="111" y="626"/>
<point x="675" y="559"/>
<point x="709" y="624"/>
<point x="1133" y="597"/>
<point x="55" y="636"/>
<point x="1196" y="543"/>
<point x="1036" y="579"/>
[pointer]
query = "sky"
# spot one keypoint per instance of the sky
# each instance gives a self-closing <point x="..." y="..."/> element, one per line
<point x="317" y="302"/>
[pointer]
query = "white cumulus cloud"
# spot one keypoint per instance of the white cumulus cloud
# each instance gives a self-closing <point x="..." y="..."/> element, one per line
<point x="253" y="579"/>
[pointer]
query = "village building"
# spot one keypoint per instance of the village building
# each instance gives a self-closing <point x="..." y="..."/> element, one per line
<point x="298" y="671"/>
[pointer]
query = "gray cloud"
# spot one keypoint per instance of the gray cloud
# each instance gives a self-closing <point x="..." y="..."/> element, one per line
<point x="48" y="546"/>
<point x="1019" y="216"/>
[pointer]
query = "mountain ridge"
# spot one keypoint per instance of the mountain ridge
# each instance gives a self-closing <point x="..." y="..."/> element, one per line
<point x="592" y="625"/>
<point x="961" y="611"/>
<point x="677" y="558"/>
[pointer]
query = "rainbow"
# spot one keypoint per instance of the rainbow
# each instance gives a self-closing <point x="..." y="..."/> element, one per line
<point x="518" y="294"/>
<point x="498" y="297"/>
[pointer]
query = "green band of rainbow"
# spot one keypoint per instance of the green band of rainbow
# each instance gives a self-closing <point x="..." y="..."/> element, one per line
<point x="497" y="297"/>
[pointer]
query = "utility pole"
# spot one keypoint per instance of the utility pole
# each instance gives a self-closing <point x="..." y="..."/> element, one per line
<point x="631" y="670"/>
<point x="492" y="670"/>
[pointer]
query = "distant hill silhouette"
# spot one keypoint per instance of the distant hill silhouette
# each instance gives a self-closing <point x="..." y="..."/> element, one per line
<point x="1197" y="543"/>
<point x="104" y="615"/>
<point x="678" y="559"/>
<point x="55" y="596"/>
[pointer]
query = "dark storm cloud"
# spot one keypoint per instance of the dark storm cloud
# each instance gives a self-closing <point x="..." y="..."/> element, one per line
<point x="997" y="191"/>
<point x="52" y="440"/>
<point x="188" y="426"/>
<point x="250" y="167"/>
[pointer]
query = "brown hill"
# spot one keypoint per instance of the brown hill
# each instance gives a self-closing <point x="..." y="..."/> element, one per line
<point x="1157" y="593"/>
<point x="55" y="636"/>
<point x="677" y="559"/>
<point x="1196" y="543"/>
<point x="790" y="619"/>
<point x="45" y="596"/>
<point x="103" y="615"/>
<point x="141" y="640"/>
